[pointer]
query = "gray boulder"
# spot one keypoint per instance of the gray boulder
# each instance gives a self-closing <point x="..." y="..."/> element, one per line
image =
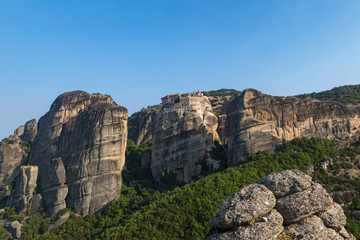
<point x="286" y="182"/>
<point x="251" y="202"/>
<point x="333" y="217"/>
<point x="309" y="229"/>
<point x="250" y="213"/>
<point x="300" y="205"/>
<point x="268" y="227"/>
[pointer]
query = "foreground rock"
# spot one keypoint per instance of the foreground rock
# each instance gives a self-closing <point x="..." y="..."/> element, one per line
<point x="80" y="152"/>
<point x="242" y="207"/>
<point x="258" y="122"/>
<point x="303" y="210"/>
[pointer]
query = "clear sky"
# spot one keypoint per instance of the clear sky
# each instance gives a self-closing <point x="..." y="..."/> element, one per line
<point x="139" y="51"/>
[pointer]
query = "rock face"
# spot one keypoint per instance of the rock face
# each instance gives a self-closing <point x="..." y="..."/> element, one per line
<point x="258" y="122"/>
<point x="25" y="187"/>
<point x="59" y="222"/>
<point x="11" y="157"/>
<point x="14" y="228"/>
<point x="286" y="205"/>
<point x="182" y="137"/>
<point x="141" y="125"/>
<point x="27" y="132"/>
<point x="80" y="152"/>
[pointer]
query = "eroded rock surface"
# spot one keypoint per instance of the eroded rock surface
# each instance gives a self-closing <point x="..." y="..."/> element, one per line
<point x="287" y="182"/>
<point x="11" y="157"/>
<point x="183" y="136"/>
<point x="269" y="227"/>
<point x="303" y="210"/>
<point x="80" y="152"/>
<point x="25" y="187"/>
<point x="300" y="205"/>
<point x="28" y="131"/>
<point x="333" y="217"/>
<point x="142" y="124"/>
<point x="310" y="229"/>
<point x="14" y="228"/>
<point x="251" y="202"/>
<point x="258" y="122"/>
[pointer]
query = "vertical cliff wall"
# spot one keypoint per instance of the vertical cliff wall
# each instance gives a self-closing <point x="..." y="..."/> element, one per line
<point x="141" y="125"/>
<point x="80" y="151"/>
<point x="182" y="137"/>
<point x="258" y="122"/>
<point x="11" y="157"/>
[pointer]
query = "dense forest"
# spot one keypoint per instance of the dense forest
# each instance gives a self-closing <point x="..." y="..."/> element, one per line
<point x="171" y="211"/>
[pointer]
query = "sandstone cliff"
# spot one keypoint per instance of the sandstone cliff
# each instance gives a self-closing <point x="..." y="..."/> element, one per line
<point x="286" y="205"/>
<point x="182" y="137"/>
<point x="80" y="150"/>
<point x="258" y="122"/>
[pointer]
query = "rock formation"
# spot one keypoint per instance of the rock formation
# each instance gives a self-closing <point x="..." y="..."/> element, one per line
<point x="25" y="187"/>
<point x="28" y="131"/>
<point x="258" y="122"/>
<point x="141" y="125"/>
<point x="286" y="205"/>
<point x="14" y="228"/>
<point x="80" y="151"/>
<point x="11" y="157"/>
<point x="183" y="136"/>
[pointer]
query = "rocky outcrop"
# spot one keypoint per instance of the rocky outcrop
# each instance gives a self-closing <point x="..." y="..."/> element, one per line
<point x="344" y="197"/>
<point x="183" y="136"/>
<point x="258" y="122"/>
<point x="25" y="187"/>
<point x="80" y="152"/>
<point x="14" y="228"/>
<point x="28" y="131"/>
<point x="141" y="125"/>
<point x="286" y="205"/>
<point x="251" y="202"/>
<point x="59" y="222"/>
<point x="11" y="157"/>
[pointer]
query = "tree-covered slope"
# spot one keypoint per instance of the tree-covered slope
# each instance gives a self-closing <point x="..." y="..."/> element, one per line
<point x="184" y="212"/>
<point x="348" y="94"/>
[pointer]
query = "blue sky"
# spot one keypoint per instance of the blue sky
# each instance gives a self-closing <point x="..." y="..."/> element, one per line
<point x="138" y="51"/>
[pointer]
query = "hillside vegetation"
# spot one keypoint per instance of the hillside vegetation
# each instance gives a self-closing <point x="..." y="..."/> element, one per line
<point x="348" y="94"/>
<point x="183" y="213"/>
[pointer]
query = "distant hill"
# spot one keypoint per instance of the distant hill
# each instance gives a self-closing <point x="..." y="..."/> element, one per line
<point x="348" y="94"/>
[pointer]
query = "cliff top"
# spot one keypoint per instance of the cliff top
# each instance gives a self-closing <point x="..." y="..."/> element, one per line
<point x="78" y="98"/>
